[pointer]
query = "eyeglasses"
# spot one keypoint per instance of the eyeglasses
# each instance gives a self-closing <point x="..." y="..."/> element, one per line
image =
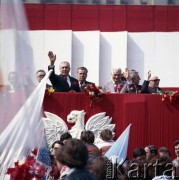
<point x="155" y="80"/>
<point x="41" y="76"/>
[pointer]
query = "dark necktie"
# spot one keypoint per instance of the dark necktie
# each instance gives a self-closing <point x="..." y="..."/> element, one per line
<point x="81" y="86"/>
<point x="67" y="81"/>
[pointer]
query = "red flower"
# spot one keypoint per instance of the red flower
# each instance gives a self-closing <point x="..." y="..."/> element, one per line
<point x="95" y="93"/>
<point x="170" y="96"/>
<point x="28" y="170"/>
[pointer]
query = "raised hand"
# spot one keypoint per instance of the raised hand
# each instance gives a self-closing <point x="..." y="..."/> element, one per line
<point x="52" y="58"/>
<point x="126" y="74"/>
<point x="148" y="75"/>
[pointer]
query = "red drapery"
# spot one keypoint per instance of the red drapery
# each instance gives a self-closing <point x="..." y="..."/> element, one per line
<point x="153" y="121"/>
<point x="107" y="18"/>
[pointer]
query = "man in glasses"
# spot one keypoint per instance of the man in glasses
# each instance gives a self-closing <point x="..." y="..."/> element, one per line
<point x="40" y="74"/>
<point x="151" y="85"/>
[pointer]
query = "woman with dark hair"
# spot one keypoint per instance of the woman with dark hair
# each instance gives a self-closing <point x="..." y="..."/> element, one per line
<point x="55" y="174"/>
<point x="73" y="155"/>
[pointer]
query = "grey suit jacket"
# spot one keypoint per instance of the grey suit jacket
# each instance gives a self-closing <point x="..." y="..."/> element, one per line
<point x="110" y="87"/>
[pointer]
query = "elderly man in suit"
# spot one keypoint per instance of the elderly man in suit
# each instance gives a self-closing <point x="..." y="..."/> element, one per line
<point x="151" y="85"/>
<point x="116" y="84"/>
<point x="82" y="73"/>
<point x="62" y="82"/>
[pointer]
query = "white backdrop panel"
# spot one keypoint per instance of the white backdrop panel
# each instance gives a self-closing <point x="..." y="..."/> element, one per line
<point x="156" y="52"/>
<point x="60" y="42"/>
<point x="86" y="53"/>
<point x="113" y="54"/>
<point x="140" y="53"/>
<point x="39" y="55"/>
<point x="167" y="58"/>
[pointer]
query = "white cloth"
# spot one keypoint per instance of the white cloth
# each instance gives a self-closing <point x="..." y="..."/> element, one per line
<point x="101" y="143"/>
<point x="163" y="177"/>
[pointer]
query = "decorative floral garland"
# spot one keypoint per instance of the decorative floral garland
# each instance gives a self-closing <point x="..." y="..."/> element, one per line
<point x="27" y="169"/>
<point x="170" y="96"/>
<point x="95" y="93"/>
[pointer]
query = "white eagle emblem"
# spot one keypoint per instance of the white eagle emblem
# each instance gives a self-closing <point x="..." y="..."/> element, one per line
<point x="55" y="126"/>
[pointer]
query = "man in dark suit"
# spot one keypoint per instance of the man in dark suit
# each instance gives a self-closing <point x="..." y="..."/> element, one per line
<point x="82" y="73"/>
<point x="62" y="82"/>
<point x="151" y="85"/>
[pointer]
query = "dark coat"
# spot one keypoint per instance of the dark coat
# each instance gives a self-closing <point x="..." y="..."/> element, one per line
<point x="79" y="174"/>
<point x="60" y="84"/>
<point x="147" y="89"/>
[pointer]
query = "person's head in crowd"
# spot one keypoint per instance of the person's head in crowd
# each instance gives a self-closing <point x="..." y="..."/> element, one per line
<point x="73" y="154"/>
<point x="93" y="151"/>
<point x="40" y="74"/>
<point x="164" y="151"/>
<point x="135" y="169"/>
<point x="176" y="144"/>
<point x="87" y="137"/>
<point x="65" y="136"/>
<point x="98" y="168"/>
<point x="106" y="135"/>
<point x="151" y="151"/>
<point x="164" y="168"/>
<point x="64" y="68"/>
<point x="176" y="161"/>
<point x="82" y="73"/>
<point x="139" y="154"/>
<point x="134" y="76"/>
<point x="116" y="75"/>
<point x="154" y="82"/>
<point x="56" y="145"/>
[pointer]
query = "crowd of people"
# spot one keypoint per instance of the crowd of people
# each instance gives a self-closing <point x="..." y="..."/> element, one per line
<point x="84" y="159"/>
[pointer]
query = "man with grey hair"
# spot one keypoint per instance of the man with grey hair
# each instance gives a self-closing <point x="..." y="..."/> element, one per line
<point x="116" y="83"/>
<point x="62" y="82"/>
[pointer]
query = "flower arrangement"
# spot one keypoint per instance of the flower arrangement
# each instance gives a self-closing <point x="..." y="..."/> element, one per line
<point x="170" y="96"/>
<point x="95" y="93"/>
<point x="27" y="169"/>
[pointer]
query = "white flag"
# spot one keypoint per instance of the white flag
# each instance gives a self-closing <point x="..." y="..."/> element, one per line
<point x="21" y="129"/>
<point x="119" y="148"/>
